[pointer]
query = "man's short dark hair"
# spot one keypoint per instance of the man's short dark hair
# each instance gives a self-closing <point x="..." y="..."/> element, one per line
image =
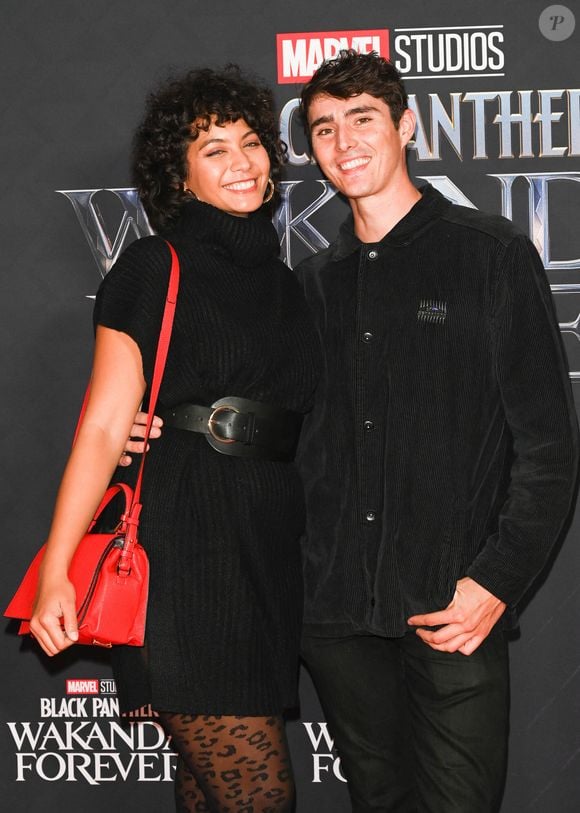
<point x="351" y="74"/>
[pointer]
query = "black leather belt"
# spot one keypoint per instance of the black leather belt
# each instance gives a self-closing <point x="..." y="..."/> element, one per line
<point x="239" y="427"/>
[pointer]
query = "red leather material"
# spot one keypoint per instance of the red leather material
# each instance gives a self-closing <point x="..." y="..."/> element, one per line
<point x="110" y="571"/>
<point x="111" y="606"/>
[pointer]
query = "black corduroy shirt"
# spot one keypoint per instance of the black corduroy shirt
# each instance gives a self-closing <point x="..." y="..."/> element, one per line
<point x="444" y="440"/>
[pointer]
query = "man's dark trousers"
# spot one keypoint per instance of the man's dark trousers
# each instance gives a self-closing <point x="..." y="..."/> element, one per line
<point x="417" y="730"/>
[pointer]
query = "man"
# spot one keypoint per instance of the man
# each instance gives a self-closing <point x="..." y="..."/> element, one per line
<point x="439" y="461"/>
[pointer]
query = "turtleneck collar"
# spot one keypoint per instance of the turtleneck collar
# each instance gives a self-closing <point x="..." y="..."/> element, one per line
<point x="248" y="240"/>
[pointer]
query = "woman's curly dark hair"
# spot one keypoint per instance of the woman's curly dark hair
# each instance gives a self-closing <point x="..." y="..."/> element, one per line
<point x="175" y="114"/>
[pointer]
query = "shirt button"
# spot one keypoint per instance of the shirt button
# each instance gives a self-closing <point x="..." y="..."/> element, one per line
<point x="370" y="516"/>
<point x="367" y="337"/>
<point x="368" y="425"/>
<point x="373" y="254"/>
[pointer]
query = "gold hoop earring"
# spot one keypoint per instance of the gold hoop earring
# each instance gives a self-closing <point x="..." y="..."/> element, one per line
<point x="189" y="193"/>
<point x="270" y="193"/>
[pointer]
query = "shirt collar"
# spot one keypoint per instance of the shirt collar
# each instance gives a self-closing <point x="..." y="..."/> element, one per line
<point x="430" y="206"/>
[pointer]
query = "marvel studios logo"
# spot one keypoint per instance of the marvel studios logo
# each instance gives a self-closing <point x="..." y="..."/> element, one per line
<point x="449" y="51"/>
<point x="418" y="53"/>
<point x="299" y="55"/>
<point x="91" y="686"/>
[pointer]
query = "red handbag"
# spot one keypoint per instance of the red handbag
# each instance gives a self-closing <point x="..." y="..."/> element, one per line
<point x="110" y="571"/>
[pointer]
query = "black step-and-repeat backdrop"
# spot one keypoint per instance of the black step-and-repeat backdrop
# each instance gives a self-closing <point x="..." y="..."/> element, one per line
<point x="496" y="90"/>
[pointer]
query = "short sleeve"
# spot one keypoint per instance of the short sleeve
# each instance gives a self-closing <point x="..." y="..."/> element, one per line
<point x="131" y="298"/>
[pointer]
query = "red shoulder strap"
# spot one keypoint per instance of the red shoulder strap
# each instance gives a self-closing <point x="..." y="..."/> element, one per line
<point x="159" y="366"/>
<point x="160" y="358"/>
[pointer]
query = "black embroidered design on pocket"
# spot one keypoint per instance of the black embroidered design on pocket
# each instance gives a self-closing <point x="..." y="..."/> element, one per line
<point x="433" y="311"/>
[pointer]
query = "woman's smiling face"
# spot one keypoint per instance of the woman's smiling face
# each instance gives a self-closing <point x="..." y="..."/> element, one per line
<point x="228" y="167"/>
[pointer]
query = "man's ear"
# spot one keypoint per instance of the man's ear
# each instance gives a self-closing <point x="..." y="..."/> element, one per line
<point x="407" y="124"/>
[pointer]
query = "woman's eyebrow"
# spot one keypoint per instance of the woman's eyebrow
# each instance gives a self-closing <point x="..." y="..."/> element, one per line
<point x="217" y="139"/>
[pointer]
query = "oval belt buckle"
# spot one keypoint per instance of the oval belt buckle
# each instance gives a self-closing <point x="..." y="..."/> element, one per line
<point x="210" y="422"/>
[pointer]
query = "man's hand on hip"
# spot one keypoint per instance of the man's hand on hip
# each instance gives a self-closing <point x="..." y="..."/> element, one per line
<point x="465" y="623"/>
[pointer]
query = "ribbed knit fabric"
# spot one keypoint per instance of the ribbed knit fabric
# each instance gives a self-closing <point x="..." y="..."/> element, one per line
<point x="444" y="440"/>
<point x="222" y="533"/>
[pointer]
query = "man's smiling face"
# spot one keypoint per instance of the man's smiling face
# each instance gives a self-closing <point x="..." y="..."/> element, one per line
<point x="356" y="143"/>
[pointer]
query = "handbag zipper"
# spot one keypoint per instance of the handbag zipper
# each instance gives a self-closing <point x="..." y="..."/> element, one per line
<point x="117" y="542"/>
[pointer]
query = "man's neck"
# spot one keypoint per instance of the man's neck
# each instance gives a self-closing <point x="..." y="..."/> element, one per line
<point x="375" y="216"/>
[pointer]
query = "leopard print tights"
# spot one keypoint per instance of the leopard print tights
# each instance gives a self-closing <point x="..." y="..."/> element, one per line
<point x="230" y="764"/>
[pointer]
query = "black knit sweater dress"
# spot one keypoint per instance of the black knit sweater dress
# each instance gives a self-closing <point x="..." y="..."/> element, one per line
<point x="222" y="533"/>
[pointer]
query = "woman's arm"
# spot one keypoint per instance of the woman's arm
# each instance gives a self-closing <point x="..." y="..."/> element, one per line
<point x="117" y="388"/>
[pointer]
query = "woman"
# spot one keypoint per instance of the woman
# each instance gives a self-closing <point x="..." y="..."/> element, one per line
<point x="221" y="519"/>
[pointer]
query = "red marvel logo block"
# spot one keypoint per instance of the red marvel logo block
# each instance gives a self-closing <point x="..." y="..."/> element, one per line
<point x="299" y="55"/>
<point x="82" y="686"/>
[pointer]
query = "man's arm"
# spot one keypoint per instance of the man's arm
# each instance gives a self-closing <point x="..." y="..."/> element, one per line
<point x="135" y="446"/>
<point x="532" y="374"/>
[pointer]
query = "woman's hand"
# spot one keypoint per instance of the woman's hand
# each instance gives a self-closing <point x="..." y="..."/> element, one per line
<point x="117" y="387"/>
<point x="54" y="619"/>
